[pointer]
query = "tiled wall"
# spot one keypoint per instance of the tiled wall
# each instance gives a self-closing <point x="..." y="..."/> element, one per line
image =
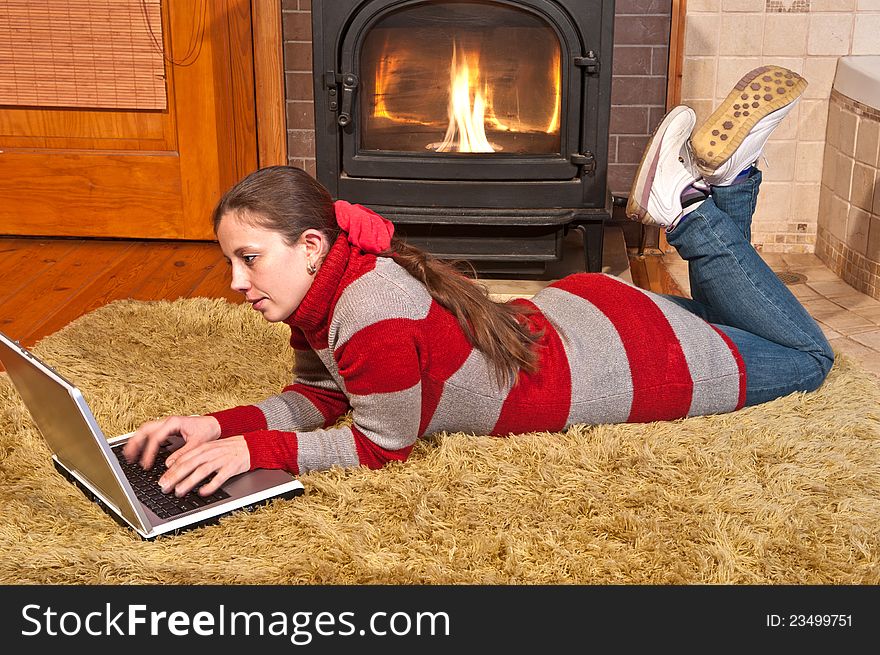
<point x="638" y="87"/>
<point x="849" y="203"/>
<point x="726" y="38"/>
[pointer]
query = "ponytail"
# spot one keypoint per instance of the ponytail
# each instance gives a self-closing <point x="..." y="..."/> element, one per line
<point x="499" y="331"/>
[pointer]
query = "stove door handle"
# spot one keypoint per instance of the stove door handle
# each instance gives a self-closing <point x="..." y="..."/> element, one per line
<point x="349" y="84"/>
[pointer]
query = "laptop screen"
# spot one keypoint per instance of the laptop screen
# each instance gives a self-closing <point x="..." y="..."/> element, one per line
<point x="66" y="423"/>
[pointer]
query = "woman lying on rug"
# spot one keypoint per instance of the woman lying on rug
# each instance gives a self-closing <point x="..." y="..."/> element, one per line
<point x="411" y="347"/>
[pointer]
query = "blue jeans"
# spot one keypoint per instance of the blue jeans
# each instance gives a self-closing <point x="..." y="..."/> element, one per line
<point x="783" y="348"/>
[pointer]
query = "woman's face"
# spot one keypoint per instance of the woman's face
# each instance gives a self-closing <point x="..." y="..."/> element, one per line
<point x="270" y="273"/>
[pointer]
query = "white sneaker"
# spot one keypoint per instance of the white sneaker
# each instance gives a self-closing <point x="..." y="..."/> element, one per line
<point x="734" y="136"/>
<point x="665" y="171"/>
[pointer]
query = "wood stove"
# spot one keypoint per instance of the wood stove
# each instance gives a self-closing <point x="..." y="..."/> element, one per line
<point x="480" y="128"/>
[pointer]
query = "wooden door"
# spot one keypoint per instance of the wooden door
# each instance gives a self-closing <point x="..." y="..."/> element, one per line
<point x="145" y="173"/>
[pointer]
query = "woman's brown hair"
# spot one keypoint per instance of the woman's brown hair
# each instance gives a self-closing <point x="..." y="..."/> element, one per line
<point x="287" y="200"/>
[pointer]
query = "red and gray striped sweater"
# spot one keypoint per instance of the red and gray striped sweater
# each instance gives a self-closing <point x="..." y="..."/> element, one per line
<point x="369" y="338"/>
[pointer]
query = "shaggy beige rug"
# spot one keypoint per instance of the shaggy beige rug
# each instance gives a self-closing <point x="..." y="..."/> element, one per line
<point x="788" y="492"/>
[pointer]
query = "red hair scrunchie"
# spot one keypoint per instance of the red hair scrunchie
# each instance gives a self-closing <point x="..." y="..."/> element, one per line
<point x="365" y="228"/>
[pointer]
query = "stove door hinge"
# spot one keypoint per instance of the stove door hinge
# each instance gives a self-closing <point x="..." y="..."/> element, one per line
<point x="348" y="82"/>
<point x="586" y="160"/>
<point x="590" y="63"/>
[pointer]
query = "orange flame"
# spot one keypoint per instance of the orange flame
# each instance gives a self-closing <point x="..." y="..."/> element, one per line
<point x="466" y="131"/>
<point x="382" y="74"/>
<point x="556" y="76"/>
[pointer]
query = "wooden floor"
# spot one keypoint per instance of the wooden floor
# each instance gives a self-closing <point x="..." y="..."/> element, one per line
<point x="47" y="283"/>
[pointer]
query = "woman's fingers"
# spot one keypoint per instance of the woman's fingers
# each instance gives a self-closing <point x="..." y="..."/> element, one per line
<point x="223" y="459"/>
<point x="144" y="443"/>
<point x="187" y="447"/>
<point x="155" y="438"/>
<point x="133" y="446"/>
<point x="222" y="475"/>
<point x="192" y="480"/>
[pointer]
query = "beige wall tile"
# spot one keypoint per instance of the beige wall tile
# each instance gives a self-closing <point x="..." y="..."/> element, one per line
<point x="805" y="204"/>
<point x="703" y="108"/>
<point x="857" y="224"/>
<point x="843" y="175"/>
<point x="785" y="34"/>
<point x="872" y="252"/>
<point x="730" y="71"/>
<point x="832" y="133"/>
<point x="829" y="160"/>
<point x="741" y="5"/>
<point x="832" y="5"/>
<point x="829" y="34"/>
<point x="865" y="37"/>
<point x="788" y="128"/>
<point x="701" y="34"/>
<point x="846" y="138"/>
<point x="698" y="78"/>
<point x="819" y="73"/>
<point x="741" y="34"/>
<point x="812" y="119"/>
<point x="867" y="140"/>
<point x="774" y="202"/>
<point x="824" y="218"/>
<point x="868" y="5"/>
<point x="837" y="217"/>
<point x="703" y="5"/>
<point x="876" y="209"/>
<point x="862" y="191"/>
<point x="808" y="167"/>
<point x="781" y="157"/>
<point x="793" y="63"/>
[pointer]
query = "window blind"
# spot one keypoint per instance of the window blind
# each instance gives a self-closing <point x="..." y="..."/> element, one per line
<point x="104" y="54"/>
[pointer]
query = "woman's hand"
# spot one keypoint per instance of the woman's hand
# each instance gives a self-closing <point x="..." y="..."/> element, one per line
<point x="143" y="445"/>
<point x="187" y="467"/>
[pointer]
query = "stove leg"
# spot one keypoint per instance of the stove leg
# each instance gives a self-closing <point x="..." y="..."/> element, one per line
<point x="592" y="234"/>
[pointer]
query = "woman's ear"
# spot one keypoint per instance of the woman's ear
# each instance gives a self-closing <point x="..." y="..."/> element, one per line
<point x="316" y="244"/>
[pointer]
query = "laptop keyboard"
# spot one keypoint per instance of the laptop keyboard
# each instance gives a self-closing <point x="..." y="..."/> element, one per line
<point x="145" y="483"/>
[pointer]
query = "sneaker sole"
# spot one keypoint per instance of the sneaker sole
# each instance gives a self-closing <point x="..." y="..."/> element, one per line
<point x="637" y="204"/>
<point x="760" y="92"/>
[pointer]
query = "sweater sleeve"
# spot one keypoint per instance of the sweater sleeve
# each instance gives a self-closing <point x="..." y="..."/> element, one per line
<point x="312" y="400"/>
<point x="381" y="369"/>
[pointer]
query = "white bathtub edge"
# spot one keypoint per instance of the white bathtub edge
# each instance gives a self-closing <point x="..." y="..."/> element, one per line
<point x="858" y="77"/>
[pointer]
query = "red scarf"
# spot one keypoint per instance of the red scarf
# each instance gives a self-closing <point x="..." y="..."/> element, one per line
<point x="365" y="228"/>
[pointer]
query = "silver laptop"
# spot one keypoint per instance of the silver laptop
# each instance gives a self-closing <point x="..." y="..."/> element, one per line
<point x="82" y="453"/>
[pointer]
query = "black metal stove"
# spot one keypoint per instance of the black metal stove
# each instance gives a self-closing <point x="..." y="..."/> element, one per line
<point x="479" y="127"/>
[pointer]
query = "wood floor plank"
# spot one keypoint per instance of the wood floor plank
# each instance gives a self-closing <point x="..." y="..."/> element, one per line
<point x="23" y="261"/>
<point x="659" y="277"/>
<point x="115" y="282"/>
<point x="25" y="309"/>
<point x="638" y="273"/>
<point x="216" y="283"/>
<point x="650" y="273"/>
<point x="655" y="280"/>
<point x="182" y="266"/>
<point x="212" y="261"/>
